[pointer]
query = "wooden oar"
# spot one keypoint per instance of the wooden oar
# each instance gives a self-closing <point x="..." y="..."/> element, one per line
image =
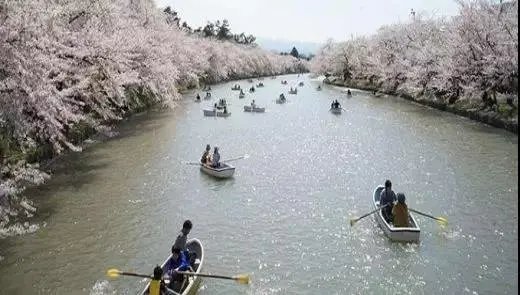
<point x="242" y="279"/>
<point x="237" y="158"/>
<point x="354" y="220"/>
<point x="226" y="160"/>
<point x="115" y="273"/>
<point x="443" y="221"/>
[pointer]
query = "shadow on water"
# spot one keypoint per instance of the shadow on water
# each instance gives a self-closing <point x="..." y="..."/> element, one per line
<point x="73" y="170"/>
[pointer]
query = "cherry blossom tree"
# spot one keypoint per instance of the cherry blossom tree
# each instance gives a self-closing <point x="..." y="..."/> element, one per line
<point x="70" y="63"/>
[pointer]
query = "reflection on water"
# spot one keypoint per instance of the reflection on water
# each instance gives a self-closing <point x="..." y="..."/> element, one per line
<point x="284" y="216"/>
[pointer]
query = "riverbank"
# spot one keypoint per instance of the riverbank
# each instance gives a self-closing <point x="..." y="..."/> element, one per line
<point x="502" y="116"/>
<point x="24" y="168"/>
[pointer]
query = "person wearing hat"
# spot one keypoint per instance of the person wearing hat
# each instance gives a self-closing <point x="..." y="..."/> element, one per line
<point x="205" y="155"/>
<point x="215" y="158"/>
<point x="400" y="212"/>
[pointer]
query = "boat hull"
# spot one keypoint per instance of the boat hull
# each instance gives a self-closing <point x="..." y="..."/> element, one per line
<point x="398" y="234"/>
<point x="336" y="111"/>
<point x="212" y="113"/>
<point x="193" y="245"/>
<point x="254" y="110"/>
<point x="224" y="171"/>
<point x="293" y="92"/>
<point x="279" y="101"/>
<point x="241" y="96"/>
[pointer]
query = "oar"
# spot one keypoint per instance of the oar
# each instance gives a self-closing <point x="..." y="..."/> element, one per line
<point x="237" y="158"/>
<point x="242" y="279"/>
<point x="115" y="273"/>
<point x="227" y="160"/>
<point x="443" y="221"/>
<point x="354" y="220"/>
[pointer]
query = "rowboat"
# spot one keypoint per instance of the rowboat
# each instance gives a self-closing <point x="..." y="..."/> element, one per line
<point x="399" y="234"/>
<point x="213" y="113"/>
<point x="260" y="85"/>
<point x="336" y="110"/>
<point x="193" y="282"/>
<point x="241" y="95"/>
<point x="224" y="171"/>
<point x="293" y="92"/>
<point x="208" y="96"/>
<point x="235" y="88"/>
<point x="301" y="84"/>
<point x="250" y="80"/>
<point x="254" y="109"/>
<point x="318" y="88"/>
<point x="281" y="101"/>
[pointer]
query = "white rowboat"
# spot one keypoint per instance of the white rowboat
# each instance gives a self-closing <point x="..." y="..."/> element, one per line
<point x="399" y="234"/>
<point x="213" y="113"/>
<point x="254" y="109"/>
<point x="224" y="171"/>
<point x="193" y="282"/>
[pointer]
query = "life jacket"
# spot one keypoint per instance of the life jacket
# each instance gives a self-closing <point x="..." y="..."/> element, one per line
<point x="400" y="213"/>
<point x="155" y="287"/>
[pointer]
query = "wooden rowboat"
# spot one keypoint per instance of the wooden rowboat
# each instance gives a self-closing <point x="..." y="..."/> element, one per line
<point x="293" y="92"/>
<point x="241" y="95"/>
<point x="254" y="109"/>
<point x="281" y="101"/>
<point x="213" y="113"/>
<point x="336" y="110"/>
<point x="193" y="282"/>
<point x="224" y="171"/>
<point x="399" y="234"/>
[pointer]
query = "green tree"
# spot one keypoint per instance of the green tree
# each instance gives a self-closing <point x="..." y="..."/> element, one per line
<point x="294" y="52"/>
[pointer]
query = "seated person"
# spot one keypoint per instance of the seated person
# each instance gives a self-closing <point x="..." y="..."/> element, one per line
<point x="176" y="263"/>
<point x="198" y="96"/>
<point x="253" y="104"/>
<point x="205" y="155"/>
<point x="215" y="158"/>
<point x="400" y="212"/>
<point x="157" y="285"/>
<point x="387" y="197"/>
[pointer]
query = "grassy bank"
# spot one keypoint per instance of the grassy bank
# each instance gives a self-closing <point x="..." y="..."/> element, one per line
<point x="502" y="115"/>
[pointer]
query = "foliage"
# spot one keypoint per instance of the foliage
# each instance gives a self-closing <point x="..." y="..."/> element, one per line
<point x="69" y="67"/>
<point x="219" y="30"/>
<point x="470" y="56"/>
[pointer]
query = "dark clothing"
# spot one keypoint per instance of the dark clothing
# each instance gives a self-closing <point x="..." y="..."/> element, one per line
<point x="180" y="241"/>
<point x="387" y="198"/>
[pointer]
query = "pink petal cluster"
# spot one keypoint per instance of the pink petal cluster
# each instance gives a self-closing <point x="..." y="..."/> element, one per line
<point x="455" y="58"/>
<point x="66" y="62"/>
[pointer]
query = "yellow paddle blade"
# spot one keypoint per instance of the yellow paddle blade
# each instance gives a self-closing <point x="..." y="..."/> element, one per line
<point x="113" y="273"/>
<point x="443" y="221"/>
<point x="242" y="279"/>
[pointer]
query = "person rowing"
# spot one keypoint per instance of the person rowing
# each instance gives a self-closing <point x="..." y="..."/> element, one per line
<point x="215" y="161"/>
<point x="205" y="155"/>
<point x="387" y="196"/>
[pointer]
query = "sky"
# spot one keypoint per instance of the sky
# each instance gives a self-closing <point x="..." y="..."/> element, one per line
<point x="305" y="20"/>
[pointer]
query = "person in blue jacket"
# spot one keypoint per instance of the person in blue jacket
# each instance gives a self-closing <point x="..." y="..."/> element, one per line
<point x="177" y="262"/>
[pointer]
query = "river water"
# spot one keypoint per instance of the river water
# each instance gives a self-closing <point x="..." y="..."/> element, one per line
<point x="284" y="217"/>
